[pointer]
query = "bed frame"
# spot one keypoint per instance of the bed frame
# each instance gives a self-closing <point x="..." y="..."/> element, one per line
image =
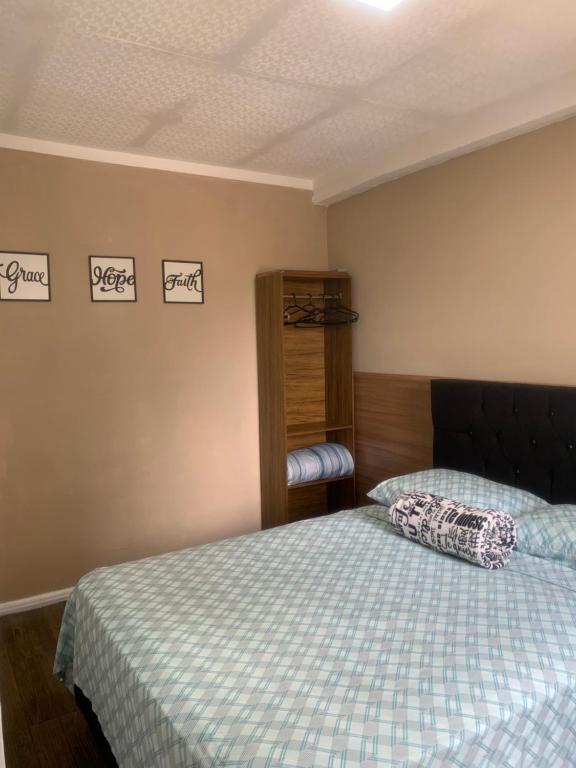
<point x="104" y="749"/>
<point x="519" y="434"/>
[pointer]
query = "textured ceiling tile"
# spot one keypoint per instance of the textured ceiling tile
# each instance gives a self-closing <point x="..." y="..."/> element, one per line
<point x="206" y="27"/>
<point x="298" y="87"/>
<point x="343" y="43"/>
<point x="258" y="107"/>
<point x="57" y="116"/>
<point x="26" y="38"/>
<point x="239" y="117"/>
<point x="337" y="140"/>
<point x="10" y="45"/>
<point x="119" y="74"/>
<point x="488" y="60"/>
<point x="201" y="144"/>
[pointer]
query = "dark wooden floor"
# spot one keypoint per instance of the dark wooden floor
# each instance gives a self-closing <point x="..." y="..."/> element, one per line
<point x="42" y="726"/>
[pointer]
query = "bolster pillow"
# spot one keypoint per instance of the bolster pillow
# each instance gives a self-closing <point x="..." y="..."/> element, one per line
<point x="319" y="462"/>
<point x="485" y="537"/>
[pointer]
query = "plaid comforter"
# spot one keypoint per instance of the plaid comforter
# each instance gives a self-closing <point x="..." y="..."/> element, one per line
<point x="329" y="643"/>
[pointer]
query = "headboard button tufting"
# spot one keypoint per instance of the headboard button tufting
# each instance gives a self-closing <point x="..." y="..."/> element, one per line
<point x="527" y="435"/>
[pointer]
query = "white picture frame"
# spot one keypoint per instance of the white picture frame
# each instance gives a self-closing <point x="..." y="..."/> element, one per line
<point x="24" y="276"/>
<point x="182" y="281"/>
<point x="112" y="278"/>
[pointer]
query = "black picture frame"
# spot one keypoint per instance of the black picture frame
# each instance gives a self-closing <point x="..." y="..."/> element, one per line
<point x="92" y="286"/>
<point x="182" y="261"/>
<point x="48" y="274"/>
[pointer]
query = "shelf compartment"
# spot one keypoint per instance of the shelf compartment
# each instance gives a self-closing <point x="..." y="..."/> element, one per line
<point x="314" y="428"/>
<point x="320" y="482"/>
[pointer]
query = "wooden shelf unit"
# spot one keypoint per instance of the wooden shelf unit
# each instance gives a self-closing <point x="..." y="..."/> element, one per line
<point x="305" y="388"/>
<point x="314" y="428"/>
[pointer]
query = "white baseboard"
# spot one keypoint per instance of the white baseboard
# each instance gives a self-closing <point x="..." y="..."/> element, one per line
<point x="35" y="601"/>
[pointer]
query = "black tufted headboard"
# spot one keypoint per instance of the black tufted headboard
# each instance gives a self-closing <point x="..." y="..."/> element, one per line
<point x="519" y="434"/>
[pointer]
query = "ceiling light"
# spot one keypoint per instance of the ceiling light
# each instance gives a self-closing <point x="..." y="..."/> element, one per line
<point x="385" y="5"/>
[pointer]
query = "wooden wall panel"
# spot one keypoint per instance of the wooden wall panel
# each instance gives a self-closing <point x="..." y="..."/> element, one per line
<point x="305" y="383"/>
<point x="304" y="372"/>
<point x="306" y="501"/>
<point x="393" y="425"/>
<point x="339" y="375"/>
<point x="293" y="442"/>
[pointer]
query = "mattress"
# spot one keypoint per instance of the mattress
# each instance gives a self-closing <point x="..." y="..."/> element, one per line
<point x="328" y="643"/>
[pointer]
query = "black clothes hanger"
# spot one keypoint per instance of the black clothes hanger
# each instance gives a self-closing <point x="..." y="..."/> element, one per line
<point x="328" y="315"/>
<point x="340" y="314"/>
<point x="295" y="312"/>
<point x="309" y="315"/>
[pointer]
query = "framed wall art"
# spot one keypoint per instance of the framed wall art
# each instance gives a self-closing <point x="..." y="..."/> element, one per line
<point x="112" y="278"/>
<point x="24" y="276"/>
<point x="183" y="282"/>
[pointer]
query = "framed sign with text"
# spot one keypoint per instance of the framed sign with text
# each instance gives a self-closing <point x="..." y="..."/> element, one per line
<point x="24" y="276"/>
<point x="113" y="278"/>
<point x="183" y="282"/>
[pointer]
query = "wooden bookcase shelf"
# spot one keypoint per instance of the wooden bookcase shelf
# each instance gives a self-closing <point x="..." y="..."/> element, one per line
<point x="321" y="482"/>
<point x="314" y="428"/>
<point x="305" y="390"/>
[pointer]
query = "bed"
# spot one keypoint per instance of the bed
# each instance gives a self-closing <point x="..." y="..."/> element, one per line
<point x="334" y="642"/>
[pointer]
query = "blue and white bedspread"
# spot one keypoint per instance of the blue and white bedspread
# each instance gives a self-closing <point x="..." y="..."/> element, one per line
<point x="330" y="643"/>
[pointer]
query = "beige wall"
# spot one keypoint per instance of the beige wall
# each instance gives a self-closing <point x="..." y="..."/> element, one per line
<point x="131" y="429"/>
<point x="127" y="430"/>
<point x="468" y="269"/>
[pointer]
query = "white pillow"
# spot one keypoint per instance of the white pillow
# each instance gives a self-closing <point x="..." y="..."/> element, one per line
<point x="549" y="532"/>
<point x="460" y="486"/>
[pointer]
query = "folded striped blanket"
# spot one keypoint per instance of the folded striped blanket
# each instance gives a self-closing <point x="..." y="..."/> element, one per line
<point x="485" y="537"/>
<point x="319" y="462"/>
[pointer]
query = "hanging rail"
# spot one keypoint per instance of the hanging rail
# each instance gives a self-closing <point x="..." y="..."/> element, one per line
<point x="312" y="315"/>
<point x="323" y="296"/>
